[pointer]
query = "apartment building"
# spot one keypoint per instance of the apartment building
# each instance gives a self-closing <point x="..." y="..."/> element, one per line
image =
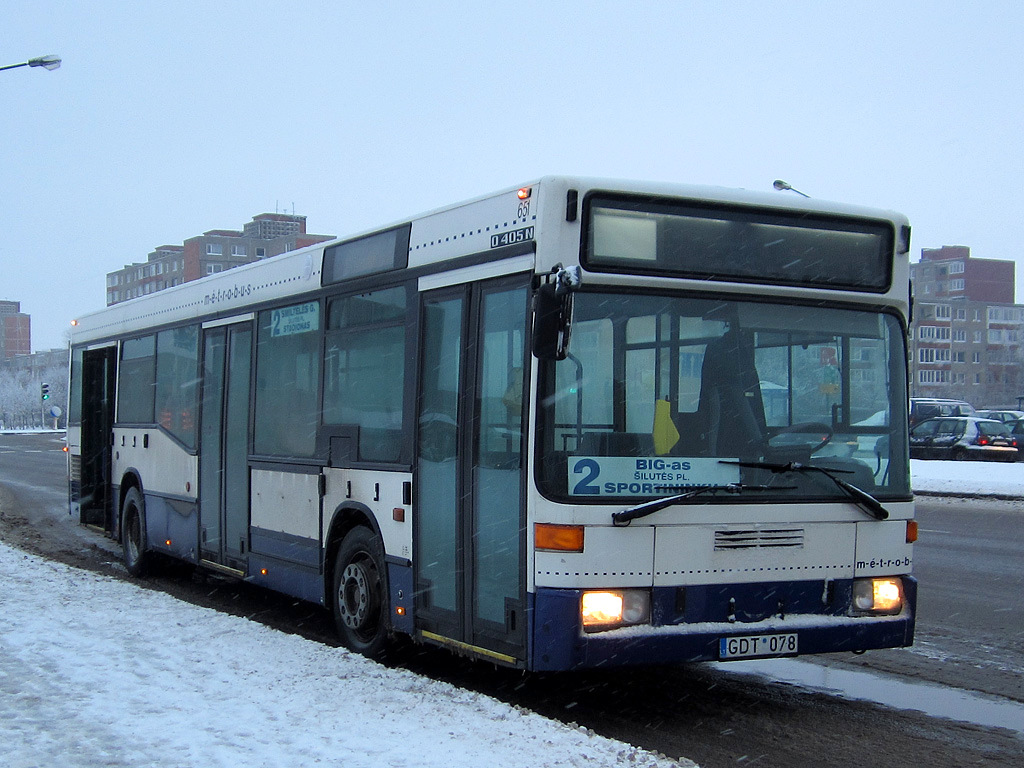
<point x="965" y="338"/>
<point x="268" y="234"/>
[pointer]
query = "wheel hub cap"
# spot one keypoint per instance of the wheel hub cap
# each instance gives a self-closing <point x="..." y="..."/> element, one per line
<point x="354" y="594"/>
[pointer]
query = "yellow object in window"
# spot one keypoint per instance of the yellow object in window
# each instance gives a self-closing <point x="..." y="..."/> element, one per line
<point x="664" y="432"/>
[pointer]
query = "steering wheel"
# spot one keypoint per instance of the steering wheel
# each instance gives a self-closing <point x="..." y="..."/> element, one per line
<point x="816" y="428"/>
<point x="438" y="439"/>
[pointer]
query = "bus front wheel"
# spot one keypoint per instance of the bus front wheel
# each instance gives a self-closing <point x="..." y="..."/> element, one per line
<point x="133" y="533"/>
<point x="359" y="595"/>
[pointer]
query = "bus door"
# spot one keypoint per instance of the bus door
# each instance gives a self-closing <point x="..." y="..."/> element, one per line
<point x="224" y="445"/>
<point x="99" y="367"/>
<point x="470" y="520"/>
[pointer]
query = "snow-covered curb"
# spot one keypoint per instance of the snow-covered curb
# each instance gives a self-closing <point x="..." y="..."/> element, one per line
<point x="967" y="478"/>
<point x="98" y="672"/>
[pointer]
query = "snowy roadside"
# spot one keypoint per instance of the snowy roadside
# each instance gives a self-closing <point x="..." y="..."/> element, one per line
<point x="967" y="478"/>
<point x="85" y="683"/>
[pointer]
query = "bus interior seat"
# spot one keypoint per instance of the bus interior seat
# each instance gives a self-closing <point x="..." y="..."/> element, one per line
<point x="689" y="425"/>
<point x="380" y="444"/>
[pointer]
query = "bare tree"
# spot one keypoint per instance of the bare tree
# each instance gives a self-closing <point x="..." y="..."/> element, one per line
<point x="21" y="403"/>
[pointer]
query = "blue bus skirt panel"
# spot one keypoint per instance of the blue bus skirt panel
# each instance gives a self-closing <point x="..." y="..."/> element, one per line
<point x="400" y="583"/>
<point x="286" y="563"/>
<point x="559" y="643"/>
<point x="172" y="526"/>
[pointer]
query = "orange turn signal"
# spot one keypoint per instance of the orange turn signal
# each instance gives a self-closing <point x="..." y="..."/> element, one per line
<point x="911" y="531"/>
<point x="558" y="538"/>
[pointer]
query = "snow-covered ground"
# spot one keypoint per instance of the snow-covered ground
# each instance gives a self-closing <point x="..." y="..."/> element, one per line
<point x="85" y="683"/>
<point x="967" y="477"/>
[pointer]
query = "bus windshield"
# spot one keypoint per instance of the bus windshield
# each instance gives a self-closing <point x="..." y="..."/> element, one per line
<point x="659" y="394"/>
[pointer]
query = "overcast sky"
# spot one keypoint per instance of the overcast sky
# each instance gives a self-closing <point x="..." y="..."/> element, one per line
<point x="168" y="120"/>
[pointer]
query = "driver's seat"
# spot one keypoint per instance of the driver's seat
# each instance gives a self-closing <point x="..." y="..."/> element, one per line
<point x="730" y="399"/>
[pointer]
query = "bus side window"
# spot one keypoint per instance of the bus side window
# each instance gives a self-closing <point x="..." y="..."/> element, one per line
<point x="364" y="371"/>
<point x="287" y="375"/>
<point x="137" y="381"/>
<point x="177" y="382"/>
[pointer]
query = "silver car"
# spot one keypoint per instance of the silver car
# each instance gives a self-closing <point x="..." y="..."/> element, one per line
<point x="961" y="438"/>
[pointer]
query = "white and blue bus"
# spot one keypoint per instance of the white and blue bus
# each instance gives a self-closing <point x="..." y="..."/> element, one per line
<point x="576" y="423"/>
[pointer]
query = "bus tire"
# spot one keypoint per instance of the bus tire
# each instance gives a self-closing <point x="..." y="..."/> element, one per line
<point x="133" y="533"/>
<point x="360" y="594"/>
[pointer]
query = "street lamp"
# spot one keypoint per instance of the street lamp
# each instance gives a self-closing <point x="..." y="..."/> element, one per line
<point x="50" y="62"/>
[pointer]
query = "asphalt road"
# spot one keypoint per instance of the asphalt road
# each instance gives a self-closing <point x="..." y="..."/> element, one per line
<point x="969" y="636"/>
<point x="970" y="564"/>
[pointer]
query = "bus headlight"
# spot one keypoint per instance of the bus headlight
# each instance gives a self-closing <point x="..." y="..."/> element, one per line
<point x="882" y="596"/>
<point x="609" y="609"/>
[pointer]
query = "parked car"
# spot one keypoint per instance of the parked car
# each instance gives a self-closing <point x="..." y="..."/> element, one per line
<point x="1004" y="415"/>
<point x="922" y="408"/>
<point x="963" y="437"/>
<point x="1017" y="430"/>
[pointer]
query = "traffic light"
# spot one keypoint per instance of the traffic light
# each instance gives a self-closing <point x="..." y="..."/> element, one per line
<point x="44" y="390"/>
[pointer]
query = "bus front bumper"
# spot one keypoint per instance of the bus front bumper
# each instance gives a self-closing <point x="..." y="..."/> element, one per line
<point x="696" y="632"/>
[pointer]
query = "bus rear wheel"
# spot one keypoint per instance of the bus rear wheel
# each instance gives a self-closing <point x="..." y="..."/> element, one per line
<point x="133" y="533"/>
<point x="360" y="595"/>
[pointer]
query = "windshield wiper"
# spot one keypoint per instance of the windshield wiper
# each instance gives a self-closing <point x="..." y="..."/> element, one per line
<point x="625" y="516"/>
<point x="864" y="500"/>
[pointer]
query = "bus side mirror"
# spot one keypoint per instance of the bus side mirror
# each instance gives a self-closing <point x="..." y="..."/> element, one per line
<point x="552" y="314"/>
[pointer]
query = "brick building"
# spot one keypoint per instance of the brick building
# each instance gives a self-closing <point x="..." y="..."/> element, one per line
<point x="966" y="336"/>
<point x="268" y="234"/>
<point x="950" y="273"/>
<point x="15" y="331"/>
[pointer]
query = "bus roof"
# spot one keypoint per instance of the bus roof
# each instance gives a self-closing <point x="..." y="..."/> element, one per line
<point x="438" y="235"/>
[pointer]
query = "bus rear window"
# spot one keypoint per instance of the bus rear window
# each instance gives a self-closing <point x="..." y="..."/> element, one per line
<point x="737" y="244"/>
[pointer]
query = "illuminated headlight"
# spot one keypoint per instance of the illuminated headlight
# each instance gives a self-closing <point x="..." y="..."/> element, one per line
<point x="883" y="596"/>
<point x="615" y="608"/>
